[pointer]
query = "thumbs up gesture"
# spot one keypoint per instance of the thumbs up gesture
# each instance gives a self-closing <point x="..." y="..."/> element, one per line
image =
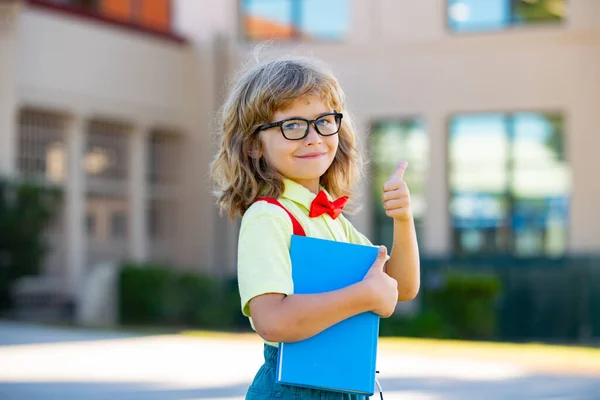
<point x="383" y="288"/>
<point x="396" y="197"/>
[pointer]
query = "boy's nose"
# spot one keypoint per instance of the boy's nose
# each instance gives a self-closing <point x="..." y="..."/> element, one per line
<point x="313" y="136"/>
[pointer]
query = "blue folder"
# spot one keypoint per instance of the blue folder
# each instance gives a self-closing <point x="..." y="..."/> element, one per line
<point x="342" y="358"/>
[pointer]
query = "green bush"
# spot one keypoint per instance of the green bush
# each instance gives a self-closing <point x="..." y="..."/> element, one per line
<point x="162" y="295"/>
<point x="26" y="209"/>
<point x="463" y="306"/>
<point x="428" y="324"/>
<point x="467" y="304"/>
<point x="143" y="292"/>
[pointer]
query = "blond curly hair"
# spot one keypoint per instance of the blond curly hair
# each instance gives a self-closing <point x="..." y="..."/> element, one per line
<point x="256" y="95"/>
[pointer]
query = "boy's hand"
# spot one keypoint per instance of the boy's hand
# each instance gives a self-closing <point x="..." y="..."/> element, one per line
<point x="383" y="289"/>
<point x="396" y="197"/>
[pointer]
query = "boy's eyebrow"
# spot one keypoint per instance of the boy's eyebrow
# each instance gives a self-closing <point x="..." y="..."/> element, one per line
<point x="319" y="116"/>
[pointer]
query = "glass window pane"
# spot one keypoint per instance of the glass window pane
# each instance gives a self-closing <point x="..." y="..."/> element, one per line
<point x="287" y="19"/>
<point x="324" y="19"/>
<point x="540" y="226"/>
<point x="478" y="15"/>
<point x="480" y="223"/>
<point x="478" y="153"/>
<point x="90" y="224"/>
<point x="478" y="177"/>
<point x="539" y="168"/>
<point x="541" y="184"/>
<point x="478" y="211"/>
<point x="527" y="11"/>
<point x="489" y="15"/>
<point x="538" y="138"/>
<point x="41" y="152"/>
<point x="118" y="224"/>
<point x="267" y="19"/>
<point x="107" y="154"/>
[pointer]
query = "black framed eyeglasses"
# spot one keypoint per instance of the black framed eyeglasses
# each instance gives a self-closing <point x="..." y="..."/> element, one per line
<point x="297" y="128"/>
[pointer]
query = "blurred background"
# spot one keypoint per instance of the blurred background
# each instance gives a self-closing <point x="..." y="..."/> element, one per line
<point x="107" y="111"/>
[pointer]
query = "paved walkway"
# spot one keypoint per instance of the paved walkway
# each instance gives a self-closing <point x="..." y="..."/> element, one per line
<point x="51" y="363"/>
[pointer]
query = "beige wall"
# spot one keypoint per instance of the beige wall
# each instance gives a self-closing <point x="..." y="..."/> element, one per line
<point x="88" y="67"/>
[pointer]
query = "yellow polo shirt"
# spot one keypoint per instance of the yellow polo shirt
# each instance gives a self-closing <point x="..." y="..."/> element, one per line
<point x="264" y="264"/>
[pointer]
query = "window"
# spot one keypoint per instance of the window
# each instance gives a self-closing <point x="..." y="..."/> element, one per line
<point x="509" y="184"/>
<point x="90" y="224"/>
<point x="393" y="141"/>
<point x="487" y="15"/>
<point x="118" y="224"/>
<point x="41" y="147"/>
<point x="164" y="158"/>
<point x="107" y="156"/>
<point x="152" y="14"/>
<point x="295" y="19"/>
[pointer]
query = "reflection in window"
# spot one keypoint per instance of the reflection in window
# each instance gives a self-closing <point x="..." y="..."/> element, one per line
<point x="295" y="19"/>
<point x="391" y="142"/>
<point x="107" y="154"/>
<point x="509" y="184"/>
<point x="486" y="15"/>
<point x="164" y="158"/>
<point x="41" y="148"/>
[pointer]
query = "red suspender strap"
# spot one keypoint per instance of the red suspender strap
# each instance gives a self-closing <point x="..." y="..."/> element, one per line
<point x="298" y="230"/>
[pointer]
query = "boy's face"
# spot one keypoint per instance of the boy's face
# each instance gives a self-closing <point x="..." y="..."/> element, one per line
<point x="306" y="160"/>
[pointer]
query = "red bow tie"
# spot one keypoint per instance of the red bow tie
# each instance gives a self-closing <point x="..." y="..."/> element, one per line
<point x="321" y="205"/>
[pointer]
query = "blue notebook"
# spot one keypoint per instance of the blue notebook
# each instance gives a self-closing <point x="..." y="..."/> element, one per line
<point x="342" y="358"/>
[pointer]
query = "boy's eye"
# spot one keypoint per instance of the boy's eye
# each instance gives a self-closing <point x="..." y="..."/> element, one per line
<point x="291" y="125"/>
<point x="324" y="121"/>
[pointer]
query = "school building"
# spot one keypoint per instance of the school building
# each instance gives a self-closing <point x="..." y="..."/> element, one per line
<point x="494" y="104"/>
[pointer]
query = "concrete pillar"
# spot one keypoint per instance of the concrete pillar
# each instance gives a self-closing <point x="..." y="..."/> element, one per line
<point x="9" y="13"/>
<point x="75" y="205"/>
<point x="437" y="238"/>
<point x="138" y="194"/>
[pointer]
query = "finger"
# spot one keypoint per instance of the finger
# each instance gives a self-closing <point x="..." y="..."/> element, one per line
<point x="400" y="169"/>
<point x="381" y="258"/>
<point x="396" y="203"/>
<point x="393" y="183"/>
<point x="398" y="193"/>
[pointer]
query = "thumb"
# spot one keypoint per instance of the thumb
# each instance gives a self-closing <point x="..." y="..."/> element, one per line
<point x="381" y="258"/>
<point x="400" y="169"/>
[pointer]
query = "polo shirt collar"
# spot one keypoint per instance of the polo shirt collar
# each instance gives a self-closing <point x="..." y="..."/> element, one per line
<point x="299" y="194"/>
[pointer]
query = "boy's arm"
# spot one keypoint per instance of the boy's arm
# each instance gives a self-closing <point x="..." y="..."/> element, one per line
<point x="403" y="264"/>
<point x="280" y="318"/>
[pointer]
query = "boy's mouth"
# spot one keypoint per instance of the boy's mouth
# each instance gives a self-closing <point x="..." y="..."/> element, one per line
<point x="311" y="155"/>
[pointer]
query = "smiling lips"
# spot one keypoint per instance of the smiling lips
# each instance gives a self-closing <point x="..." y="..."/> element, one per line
<point x="311" y="155"/>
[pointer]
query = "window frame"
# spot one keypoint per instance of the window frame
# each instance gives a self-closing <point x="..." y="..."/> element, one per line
<point x="510" y="26"/>
<point x="509" y="117"/>
<point x="295" y="20"/>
